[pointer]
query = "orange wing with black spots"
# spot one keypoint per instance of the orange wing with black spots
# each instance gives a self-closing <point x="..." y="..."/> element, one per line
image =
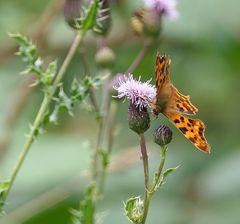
<point x="181" y="103"/>
<point x="173" y="105"/>
<point x="192" y="129"/>
<point x="160" y="72"/>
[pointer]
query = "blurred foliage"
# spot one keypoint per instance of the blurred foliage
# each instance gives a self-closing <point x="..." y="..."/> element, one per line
<point x="204" y="45"/>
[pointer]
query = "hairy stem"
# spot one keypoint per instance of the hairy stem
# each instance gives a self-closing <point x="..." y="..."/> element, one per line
<point x="42" y="111"/>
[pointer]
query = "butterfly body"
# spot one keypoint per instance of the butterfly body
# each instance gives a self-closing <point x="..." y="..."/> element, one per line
<point x="174" y="105"/>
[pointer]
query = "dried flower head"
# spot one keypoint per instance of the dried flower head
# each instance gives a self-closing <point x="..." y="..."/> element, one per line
<point x="140" y="94"/>
<point x="163" y="7"/>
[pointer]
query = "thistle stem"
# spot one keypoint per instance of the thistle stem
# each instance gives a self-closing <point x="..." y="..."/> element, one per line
<point x="102" y="126"/>
<point x="149" y="192"/>
<point x="112" y="118"/>
<point x="147" y="196"/>
<point x="160" y="168"/>
<point x="42" y="111"/>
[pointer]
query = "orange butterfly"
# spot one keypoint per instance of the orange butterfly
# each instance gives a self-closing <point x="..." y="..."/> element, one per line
<point x="174" y="106"/>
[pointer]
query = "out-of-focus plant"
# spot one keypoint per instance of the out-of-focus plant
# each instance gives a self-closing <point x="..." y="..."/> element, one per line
<point x="50" y="81"/>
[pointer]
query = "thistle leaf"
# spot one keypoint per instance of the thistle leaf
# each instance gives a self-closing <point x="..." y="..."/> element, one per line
<point x="166" y="173"/>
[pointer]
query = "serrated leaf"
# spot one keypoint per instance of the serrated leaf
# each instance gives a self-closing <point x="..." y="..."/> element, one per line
<point x="48" y="75"/>
<point x="89" y="19"/>
<point x="85" y="214"/>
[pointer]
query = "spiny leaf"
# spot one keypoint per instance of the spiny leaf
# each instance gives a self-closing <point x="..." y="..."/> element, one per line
<point x="28" y="53"/>
<point x="85" y="214"/>
<point x="89" y="19"/>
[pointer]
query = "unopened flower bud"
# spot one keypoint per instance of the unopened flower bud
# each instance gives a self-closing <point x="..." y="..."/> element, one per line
<point x="72" y="11"/>
<point x="163" y="135"/>
<point x="105" y="57"/>
<point x="147" y="22"/>
<point x="138" y="119"/>
<point x="152" y="23"/>
<point x="136" y="25"/>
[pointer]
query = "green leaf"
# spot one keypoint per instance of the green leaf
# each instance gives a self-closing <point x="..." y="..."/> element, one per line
<point x="166" y="173"/>
<point x="27" y="51"/>
<point x="134" y="209"/>
<point x="48" y="75"/>
<point x="85" y="214"/>
<point x="89" y="19"/>
<point x="4" y="185"/>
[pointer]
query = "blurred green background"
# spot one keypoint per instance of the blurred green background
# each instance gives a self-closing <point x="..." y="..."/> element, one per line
<point x="204" y="44"/>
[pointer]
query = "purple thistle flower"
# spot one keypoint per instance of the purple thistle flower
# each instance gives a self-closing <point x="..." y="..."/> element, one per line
<point x="140" y="94"/>
<point x="164" y="7"/>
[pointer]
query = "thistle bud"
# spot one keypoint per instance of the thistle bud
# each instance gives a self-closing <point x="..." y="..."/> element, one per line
<point x="138" y="119"/>
<point x="136" y="25"/>
<point x="105" y="57"/>
<point x="72" y="11"/>
<point x="147" y="22"/>
<point x="163" y="135"/>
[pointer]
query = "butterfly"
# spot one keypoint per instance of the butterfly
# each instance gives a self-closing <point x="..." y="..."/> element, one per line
<point x="175" y="106"/>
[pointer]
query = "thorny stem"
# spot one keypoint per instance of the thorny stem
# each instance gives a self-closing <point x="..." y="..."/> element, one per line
<point x="149" y="192"/>
<point x="41" y="113"/>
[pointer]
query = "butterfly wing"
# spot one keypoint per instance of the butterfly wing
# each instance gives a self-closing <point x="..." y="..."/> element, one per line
<point x="181" y="103"/>
<point x="192" y="129"/>
<point x="167" y="93"/>
<point x="160" y="72"/>
<point x="162" y="84"/>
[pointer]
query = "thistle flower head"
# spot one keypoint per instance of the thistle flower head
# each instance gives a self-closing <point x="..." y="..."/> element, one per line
<point x="138" y="93"/>
<point x="163" y="7"/>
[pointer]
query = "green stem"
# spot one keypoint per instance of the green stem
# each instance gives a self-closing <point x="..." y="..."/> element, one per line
<point x="147" y="196"/>
<point x="112" y="118"/>
<point x="160" y="168"/>
<point x="102" y="126"/>
<point x="148" y="192"/>
<point x="42" y="111"/>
